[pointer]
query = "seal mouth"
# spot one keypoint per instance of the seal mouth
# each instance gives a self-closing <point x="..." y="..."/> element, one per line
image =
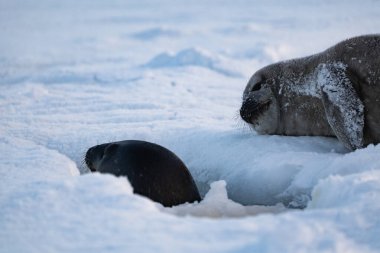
<point x="251" y="110"/>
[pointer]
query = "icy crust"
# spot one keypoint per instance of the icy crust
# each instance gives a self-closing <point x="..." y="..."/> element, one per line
<point x="340" y="92"/>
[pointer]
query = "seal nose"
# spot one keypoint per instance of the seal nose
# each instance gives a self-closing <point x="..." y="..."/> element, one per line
<point x="247" y="108"/>
<point x="244" y="113"/>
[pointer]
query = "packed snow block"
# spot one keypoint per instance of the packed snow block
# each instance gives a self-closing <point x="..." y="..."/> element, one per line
<point x="24" y="162"/>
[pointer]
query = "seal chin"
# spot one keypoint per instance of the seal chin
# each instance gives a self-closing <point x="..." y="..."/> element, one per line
<point x="90" y="166"/>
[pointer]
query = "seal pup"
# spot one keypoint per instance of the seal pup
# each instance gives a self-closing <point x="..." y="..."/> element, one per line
<point x="332" y="93"/>
<point x="152" y="170"/>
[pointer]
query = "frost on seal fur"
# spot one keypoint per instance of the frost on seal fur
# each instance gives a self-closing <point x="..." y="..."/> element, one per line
<point x="344" y="110"/>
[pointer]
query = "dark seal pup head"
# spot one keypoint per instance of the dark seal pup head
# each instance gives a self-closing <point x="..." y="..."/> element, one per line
<point x="152" y="170"/>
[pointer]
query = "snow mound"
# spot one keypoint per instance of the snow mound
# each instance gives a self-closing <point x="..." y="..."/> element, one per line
<point x="188" y="57"/>
<point x="348" y="164"/>
<point x="353" y="201"/>
<point x="24" y="161"/>
<point x="345" y="191"/>
<point x="155" y="33"/>
<point x="87" y="203"/>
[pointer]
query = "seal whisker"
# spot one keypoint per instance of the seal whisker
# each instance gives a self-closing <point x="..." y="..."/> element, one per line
<point x="240" y="124"/>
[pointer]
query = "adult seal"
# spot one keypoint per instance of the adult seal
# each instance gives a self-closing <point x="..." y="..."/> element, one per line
<point x="333" y="93"/>
<point x="152" y="170"/>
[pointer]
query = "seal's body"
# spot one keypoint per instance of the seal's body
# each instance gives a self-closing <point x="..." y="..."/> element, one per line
<point x="152" y="170"/>
<point x="333" y="93"/>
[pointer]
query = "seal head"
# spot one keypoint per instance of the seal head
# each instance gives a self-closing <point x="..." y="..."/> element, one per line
<point x="152" y="170"/>
<point x="260" y="107"/>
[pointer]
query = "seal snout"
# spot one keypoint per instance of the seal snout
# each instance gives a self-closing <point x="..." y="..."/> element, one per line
<point x="95" y="154"/>
<point x="245" y="112"/>
<point x="89" y="159"/>
<point x="251" y="109"/>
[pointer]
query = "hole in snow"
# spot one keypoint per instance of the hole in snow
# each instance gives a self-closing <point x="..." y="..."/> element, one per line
<point x="216" y="204"/>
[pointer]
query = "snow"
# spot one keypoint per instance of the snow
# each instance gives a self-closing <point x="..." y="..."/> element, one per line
<point x="216" y="204"/>
<point x="75" y="74"/>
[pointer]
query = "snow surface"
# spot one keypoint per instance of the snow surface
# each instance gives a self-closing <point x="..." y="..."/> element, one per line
<point x="78" y="73"/>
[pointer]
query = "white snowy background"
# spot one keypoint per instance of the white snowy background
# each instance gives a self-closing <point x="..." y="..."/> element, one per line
<point x="74" y="74"/>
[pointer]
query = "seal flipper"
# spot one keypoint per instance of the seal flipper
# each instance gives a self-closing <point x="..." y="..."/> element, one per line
<point x="344" y="109"/>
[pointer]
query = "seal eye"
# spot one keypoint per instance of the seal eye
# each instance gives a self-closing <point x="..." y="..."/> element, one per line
<point x="257" y="86"/>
